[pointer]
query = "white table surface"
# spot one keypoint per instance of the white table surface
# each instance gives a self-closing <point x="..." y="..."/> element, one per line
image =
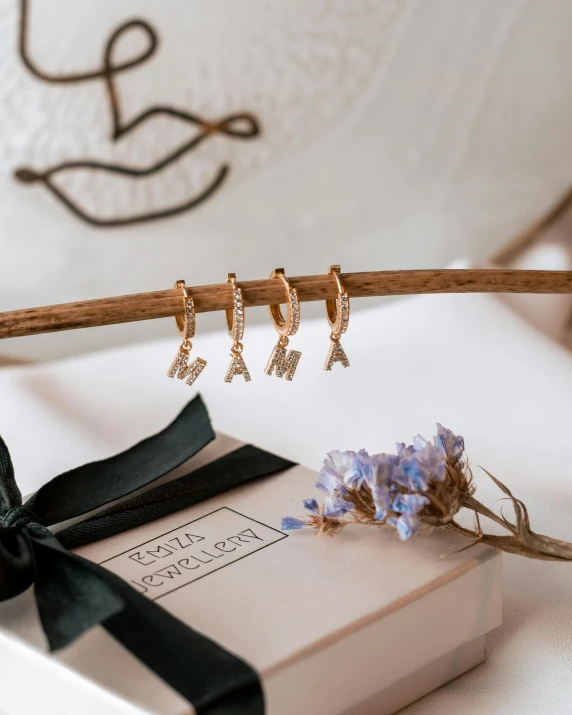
<point x="466" y="361"/>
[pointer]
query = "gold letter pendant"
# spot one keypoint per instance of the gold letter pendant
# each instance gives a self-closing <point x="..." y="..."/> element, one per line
<point x="336" y="354"/>
<point x="285" y="363"/>
<point x="237" y="367"/>
<point x="180" y="367"/>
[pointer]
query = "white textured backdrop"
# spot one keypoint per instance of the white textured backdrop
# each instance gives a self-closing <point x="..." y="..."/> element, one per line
<point x="396" y="134"/>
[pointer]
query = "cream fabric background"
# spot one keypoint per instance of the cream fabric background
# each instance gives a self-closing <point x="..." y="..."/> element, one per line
<point x="395" y="135"/>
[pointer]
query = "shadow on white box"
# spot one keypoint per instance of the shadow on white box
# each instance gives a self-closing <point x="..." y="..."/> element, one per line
<point x="357" y="624"/>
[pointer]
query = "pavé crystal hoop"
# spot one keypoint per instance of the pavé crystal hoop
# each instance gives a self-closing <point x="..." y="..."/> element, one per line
<point x="284" y="363"/>
<point x="186" y="324"/>
<point x="338" y="312"/>
<point x="235" y="324"/>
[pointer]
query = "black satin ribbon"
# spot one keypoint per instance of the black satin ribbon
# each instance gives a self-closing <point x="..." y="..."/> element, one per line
<point x="74" y="594"/>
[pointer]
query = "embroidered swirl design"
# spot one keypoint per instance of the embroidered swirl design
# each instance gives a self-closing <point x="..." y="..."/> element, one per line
<point x="241" y="125"/>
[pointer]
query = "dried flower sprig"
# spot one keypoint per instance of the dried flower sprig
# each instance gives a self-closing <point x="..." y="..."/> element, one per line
<point x="423" y="485"/>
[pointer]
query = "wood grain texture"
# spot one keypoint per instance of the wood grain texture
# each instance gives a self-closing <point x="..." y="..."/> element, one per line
<point x="167" y="303"/>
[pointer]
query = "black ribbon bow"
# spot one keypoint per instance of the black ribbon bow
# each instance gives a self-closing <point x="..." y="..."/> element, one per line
<point x="74" y="594"/>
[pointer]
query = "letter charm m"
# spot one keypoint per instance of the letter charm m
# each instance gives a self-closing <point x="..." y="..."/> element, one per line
<point x="181" y="369"/>
<point x="285" y="363"/>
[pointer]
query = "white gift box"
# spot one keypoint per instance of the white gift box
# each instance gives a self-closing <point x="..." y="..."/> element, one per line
<point x="359" y="623"/>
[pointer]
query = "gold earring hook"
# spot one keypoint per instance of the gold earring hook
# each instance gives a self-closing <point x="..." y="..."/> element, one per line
<point x="338" y="312"/>
<point x="235" y="325"/>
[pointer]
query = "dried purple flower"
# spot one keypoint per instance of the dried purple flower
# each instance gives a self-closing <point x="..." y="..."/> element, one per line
<point x="406" y="525"/>
<point x="424" y="484"/>
<point x="360" y="470"/>
<point x="409" y="503"/>
<point x="382" y="482"/>
<point x="333" y="472"/>
<point x="311" y="506"/>
<point x="426" y="465"/>
<point x="335" y="506"/>
<point x="451" y="445"/>
<point x="290" y="523"/>
<point x="404" y="452"/>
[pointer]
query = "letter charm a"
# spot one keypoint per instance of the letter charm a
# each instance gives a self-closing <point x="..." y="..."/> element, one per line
<point x="336" y="354"/>
<point x="338" y="312"/>
<point x="237" y="367"/>
<point x="235" y="324"/>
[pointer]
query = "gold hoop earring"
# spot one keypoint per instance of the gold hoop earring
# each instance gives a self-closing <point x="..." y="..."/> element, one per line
<point x="338" y="312"/>
<point x="285" y="363"/>
<point x="235" y="324"/>
<point x="186" y="324"/>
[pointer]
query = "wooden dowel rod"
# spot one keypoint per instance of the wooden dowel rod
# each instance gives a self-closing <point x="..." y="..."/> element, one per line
<point x="167" y="303"/>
